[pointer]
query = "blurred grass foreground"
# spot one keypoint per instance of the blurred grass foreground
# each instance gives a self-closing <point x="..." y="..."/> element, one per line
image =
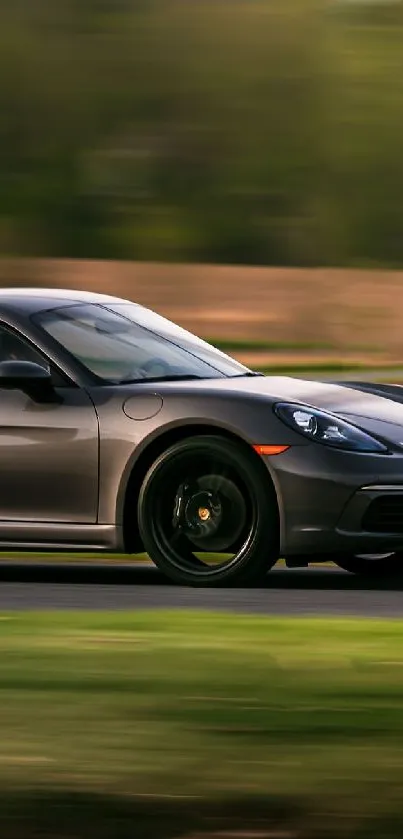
<point x="160" y="725"/>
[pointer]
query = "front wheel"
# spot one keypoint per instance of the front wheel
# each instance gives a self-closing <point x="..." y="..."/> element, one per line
<point x="208" y="514"/>
<point x="375" y="565"/>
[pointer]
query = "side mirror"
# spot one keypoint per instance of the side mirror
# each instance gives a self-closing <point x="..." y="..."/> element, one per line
<point x="31" y="378"/>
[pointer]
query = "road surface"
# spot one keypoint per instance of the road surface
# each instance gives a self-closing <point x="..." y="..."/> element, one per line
<point x="312" y="591"/>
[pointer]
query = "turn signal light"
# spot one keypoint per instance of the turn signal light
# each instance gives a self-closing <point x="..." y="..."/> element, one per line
<point x="270" y="450"/>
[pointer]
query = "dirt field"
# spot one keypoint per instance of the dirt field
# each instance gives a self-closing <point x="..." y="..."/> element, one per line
<point x="349" y="312"/>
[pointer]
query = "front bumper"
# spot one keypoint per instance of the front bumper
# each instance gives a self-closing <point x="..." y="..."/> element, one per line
<point x="326" y="501"/>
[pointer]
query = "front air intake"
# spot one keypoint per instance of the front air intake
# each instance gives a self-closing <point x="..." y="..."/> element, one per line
<point x="384" y="515"/>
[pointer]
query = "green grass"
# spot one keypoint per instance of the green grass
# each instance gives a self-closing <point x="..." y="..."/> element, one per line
<point x="127" y="559"/>
<point x="145" y="708"/>
<point x="324" y="367"/>
<point x="52" y="557"/>
<point x="238" y="345"/>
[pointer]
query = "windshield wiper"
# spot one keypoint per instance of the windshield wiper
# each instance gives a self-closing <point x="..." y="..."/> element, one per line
<point x="184" y="377"/>
<point x="181" y="377"/>
<point x="244" y="375"/>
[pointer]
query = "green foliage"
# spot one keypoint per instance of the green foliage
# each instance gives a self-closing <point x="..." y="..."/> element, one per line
<point x="248" y="131"/>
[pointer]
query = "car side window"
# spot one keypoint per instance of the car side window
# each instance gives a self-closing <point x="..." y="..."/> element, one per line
<point x="14" y="348"/>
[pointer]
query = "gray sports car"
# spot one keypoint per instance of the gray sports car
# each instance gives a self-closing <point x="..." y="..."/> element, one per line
<point x="120" y="431"/>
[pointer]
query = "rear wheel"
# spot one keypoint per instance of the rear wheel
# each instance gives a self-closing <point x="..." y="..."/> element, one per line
<point x="208" y="514"/>
<point x="375" y="565"/>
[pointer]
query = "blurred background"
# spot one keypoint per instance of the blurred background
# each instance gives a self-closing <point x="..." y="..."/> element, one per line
<point x="236" y="164"/>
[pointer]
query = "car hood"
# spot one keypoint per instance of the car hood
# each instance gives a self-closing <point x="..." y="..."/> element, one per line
<point x="369" y="405"/>
<point x="374" y="401"/>
<point x="376" y="408"/>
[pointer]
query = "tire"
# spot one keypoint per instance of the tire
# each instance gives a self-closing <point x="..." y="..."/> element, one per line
<point x="206" y="495"/>
<point x="374" y="565"/>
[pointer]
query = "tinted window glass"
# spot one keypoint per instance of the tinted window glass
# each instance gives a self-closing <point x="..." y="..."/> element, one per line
<point x="172" y="332"/>
<point x="117" y="348"/>
<point x="14" y="348"/>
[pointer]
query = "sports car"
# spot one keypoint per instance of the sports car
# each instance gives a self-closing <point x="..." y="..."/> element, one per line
<point x="122" y="432"/>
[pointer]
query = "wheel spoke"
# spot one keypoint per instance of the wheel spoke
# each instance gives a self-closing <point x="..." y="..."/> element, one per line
<point x="179" y="542"/>
<point x="208" y="513"/>
<point x="216" y="474"/>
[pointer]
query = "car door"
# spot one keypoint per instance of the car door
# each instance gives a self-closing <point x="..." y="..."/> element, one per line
<point x="48" y="451"/>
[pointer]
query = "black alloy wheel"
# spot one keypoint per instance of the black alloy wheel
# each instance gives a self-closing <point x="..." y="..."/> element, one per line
<point x="208" y="515"/>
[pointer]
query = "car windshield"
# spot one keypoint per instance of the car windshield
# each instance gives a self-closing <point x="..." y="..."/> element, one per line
<point x="125" y="342"/>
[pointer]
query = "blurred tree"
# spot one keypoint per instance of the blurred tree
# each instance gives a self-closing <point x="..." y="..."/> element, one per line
<point x="247" y="131"/>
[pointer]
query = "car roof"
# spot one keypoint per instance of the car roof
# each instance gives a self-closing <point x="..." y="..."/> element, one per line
<point x="29" y="300"/>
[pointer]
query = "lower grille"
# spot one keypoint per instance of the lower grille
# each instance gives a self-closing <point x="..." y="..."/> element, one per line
<point x="384" y="515"/>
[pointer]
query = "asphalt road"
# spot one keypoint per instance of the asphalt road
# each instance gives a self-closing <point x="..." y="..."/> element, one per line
<point x="312" y="591"/>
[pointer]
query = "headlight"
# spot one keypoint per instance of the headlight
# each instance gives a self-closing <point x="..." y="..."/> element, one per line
<point x="326" y="428"/>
